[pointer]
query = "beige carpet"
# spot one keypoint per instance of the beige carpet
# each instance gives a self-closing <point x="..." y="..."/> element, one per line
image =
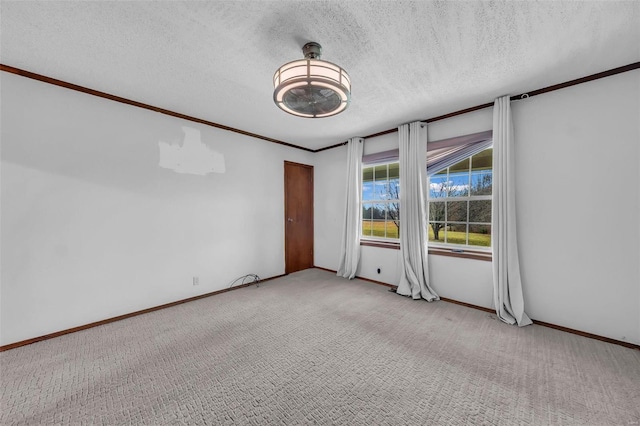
<point x="311" y="348"/>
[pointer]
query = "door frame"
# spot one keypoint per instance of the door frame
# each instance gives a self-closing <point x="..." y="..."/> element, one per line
<point x="311" y="213"/>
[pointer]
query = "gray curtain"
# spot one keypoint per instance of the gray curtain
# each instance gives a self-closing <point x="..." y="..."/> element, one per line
<point x="414" y="279"/>
<point x="442" y="153"/>
<point x="440" y="159"/>
<point x="352" y="225"/>
<point x="507" y="284"/>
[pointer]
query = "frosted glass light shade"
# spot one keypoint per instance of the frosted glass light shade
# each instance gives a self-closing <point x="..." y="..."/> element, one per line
<point x="311" y="88"/>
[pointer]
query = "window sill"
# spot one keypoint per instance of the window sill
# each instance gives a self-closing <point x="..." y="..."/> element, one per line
<point x="381" y="244"/>
<point x="462" y="253"/>
<point x="437" y="251"/>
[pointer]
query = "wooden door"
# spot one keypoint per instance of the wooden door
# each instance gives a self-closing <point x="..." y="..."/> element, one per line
<point x="298" y="217"/>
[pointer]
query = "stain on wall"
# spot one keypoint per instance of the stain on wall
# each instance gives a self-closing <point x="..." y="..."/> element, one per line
<point x="192" y="156"/>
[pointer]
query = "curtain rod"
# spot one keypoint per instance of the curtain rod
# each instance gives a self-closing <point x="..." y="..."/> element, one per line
<point x="45" y="79"/>
<point x="521" y="96"/>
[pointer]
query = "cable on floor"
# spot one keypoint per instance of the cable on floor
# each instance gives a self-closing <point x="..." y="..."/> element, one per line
<point x="246" y="279"/>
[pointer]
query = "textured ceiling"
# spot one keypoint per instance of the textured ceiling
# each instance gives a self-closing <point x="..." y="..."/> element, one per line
<point x="407" y="60"/>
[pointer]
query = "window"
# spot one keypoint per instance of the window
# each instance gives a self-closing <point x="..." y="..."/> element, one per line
<point x="381" y="201"/>
<point x="460" y="202"/>
<point x="460" y="178"/>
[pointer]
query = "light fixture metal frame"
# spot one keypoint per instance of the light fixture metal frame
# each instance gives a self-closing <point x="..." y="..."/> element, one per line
<point x="313" y="72"/>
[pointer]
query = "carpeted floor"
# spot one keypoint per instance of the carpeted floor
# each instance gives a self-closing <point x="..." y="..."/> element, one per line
<point x="311" y="348"/>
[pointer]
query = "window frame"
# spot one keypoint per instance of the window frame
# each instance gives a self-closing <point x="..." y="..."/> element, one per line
<point x="438" y="149"/>
<point x="373" y="239"/>
<point x="465" y="198"/>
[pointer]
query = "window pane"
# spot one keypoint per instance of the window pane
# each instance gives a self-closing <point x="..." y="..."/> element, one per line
<point x="438" y="186"/>
<point x="481" y="182"/>
<point x="393" y="211"/>
<point x="379" y="211"/>
<point x="393" y="229"/>
<point x="380" y="190"/>
<point x="483" y="160"/>
<point x="457" y="211"/>
<point x="480" y="235"/>
<point x="366" y="219"/>
<point x="436" y="211"/>
<point x="481" y="172"/>
<point x="381" y="172"/>
<point x="480" y="211"/>
<point x="378" y="228"/>
<point x="366" y="211"/>
<point x="394" y="171"/>
<point x="366" y="228"/>
<point x="458" y="184"/>
<point x="436" y="232"/>
<point x="394" y="190"/>
<point x="367" y="190"/>
<point x="367" y="174"/>
<point x="462" y="166"/>
<point x="456" y="234"/>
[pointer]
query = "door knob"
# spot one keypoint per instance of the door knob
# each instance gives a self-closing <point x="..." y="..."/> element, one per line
<point x="289" y="219"/>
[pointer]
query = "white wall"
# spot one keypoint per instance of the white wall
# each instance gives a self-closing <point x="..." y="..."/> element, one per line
<point x="579" y="205"/>
<point x="329" y="199"/>
<point x="93" y="228"/>
<point x="578" y="165"/>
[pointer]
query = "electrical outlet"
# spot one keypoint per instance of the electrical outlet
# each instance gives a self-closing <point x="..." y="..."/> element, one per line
<point x="196" y="281"/>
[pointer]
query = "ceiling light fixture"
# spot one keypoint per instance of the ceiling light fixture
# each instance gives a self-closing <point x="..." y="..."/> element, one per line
<point x="310" y="87"/>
